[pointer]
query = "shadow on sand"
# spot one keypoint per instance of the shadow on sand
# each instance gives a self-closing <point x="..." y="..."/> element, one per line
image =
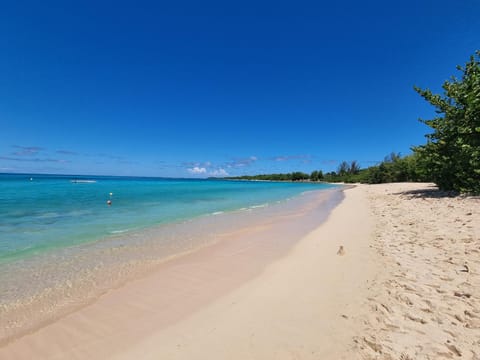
<point x="432" y="193"/>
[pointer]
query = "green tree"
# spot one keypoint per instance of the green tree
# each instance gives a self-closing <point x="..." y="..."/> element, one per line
<point x="314" y="175"/>
<point x="451" y="156"/>
<point x="297" y="176"/>
<point x="342" y="168"/>
<point x="354" y="168"/>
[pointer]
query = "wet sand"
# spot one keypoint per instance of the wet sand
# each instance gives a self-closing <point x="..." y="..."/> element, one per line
<point x="38" y="291"/>
<point x="120" y="321"/>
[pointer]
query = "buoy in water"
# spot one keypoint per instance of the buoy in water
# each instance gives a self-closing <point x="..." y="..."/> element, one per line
<point x="109" y="202"/>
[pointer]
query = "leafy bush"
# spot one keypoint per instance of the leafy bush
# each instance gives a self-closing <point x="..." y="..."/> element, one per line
<point x="451" y="156"/>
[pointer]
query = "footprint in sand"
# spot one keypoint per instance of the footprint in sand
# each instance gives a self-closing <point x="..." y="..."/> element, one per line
<point x="453" y="349"/>
<point x="416" y="319"/>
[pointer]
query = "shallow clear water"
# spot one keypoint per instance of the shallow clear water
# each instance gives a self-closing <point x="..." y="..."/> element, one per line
<point x="62" y="246"/>
<point x="40" y="213"/>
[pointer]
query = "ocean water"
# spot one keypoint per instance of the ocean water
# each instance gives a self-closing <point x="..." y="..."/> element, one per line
<point x="39" y="213"/>
<point x="62" y="245"/>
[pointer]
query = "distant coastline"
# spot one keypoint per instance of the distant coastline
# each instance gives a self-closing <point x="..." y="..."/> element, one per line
<point x="271" y="180"/>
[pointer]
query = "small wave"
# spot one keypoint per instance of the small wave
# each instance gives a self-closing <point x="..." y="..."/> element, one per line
<point x="258" y="206"/>
<point x="217" y="213"/>
<point x="83" y="181"/>
<point x="119" y="231"/>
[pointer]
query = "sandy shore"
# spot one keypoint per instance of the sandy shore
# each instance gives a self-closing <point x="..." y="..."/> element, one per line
<point x="425" y="303"/>
<point x="222" y="302"/>
<point x="405" y="285"/>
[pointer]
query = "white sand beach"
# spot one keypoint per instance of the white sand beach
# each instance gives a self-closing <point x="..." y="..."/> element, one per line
<point x="425" y="302"/>
<point x="394" y="273"/>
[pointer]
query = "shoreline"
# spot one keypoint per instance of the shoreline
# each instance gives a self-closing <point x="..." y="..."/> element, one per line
<point x="392" y="273"/>
<point x="51" y="201"/>
<point x="34" y="316"/>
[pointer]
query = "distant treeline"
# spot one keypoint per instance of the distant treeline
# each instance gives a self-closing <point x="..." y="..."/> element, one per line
<point x="294" y="176"/>
<point x="451" y="156"/>
<point x="394" y="168"/>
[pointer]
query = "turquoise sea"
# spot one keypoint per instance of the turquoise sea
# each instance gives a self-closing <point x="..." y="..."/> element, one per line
<point x="62" y="245"/>
<point x="39" y="213"/>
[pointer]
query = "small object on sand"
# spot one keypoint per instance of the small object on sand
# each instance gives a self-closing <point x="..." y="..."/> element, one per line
<point x="465" y="268"/>
<point x="109" y="202"/>
<point x="341" y="251"/>
<point x="462" y="294"/>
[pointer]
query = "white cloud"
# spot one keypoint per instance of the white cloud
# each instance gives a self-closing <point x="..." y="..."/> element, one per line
<point x="219" y="172"/>
<point x="192" y="164"/>
<point x="241" y="162"/>
<point x="303" y="158"/>
<point x="197" y="170"/>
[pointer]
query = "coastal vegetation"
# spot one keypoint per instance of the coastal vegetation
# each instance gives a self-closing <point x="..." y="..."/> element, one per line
<point x="294" y="176"/>
<point x="394" y="168"/>
<point x="450" y="158"/>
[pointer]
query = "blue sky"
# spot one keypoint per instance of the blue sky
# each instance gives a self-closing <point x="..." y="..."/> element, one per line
<point x="193" y="89"/>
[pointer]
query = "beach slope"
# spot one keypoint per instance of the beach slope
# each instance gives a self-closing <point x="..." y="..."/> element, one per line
<point x="297" y="307"/>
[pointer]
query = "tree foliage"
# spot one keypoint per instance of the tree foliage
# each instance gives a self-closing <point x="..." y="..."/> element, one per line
<point x="451" y="156"/>
<point x="394" y="168"/>
<point x="294" y="176"/>
<point x="343" y="168"/>
<point x="354" y="167"/>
